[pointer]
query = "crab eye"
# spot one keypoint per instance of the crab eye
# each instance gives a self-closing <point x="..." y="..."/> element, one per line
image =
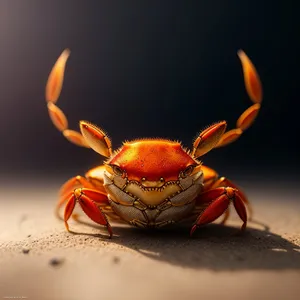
<point x="117" y="170"/>
<point x="188" y="171"/>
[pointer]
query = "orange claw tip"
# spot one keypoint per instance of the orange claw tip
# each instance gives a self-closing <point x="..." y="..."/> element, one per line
<point x="75" y="138"/>
<point x="56" y="77"/>
<point x="251" y="78"/>
<point x="57" y="116"/>
<point x="248" y="116"/>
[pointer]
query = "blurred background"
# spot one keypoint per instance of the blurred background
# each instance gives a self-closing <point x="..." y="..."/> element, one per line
<point x="148" y="69"/>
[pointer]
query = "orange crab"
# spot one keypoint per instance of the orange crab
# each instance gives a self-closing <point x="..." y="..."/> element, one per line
<point x="152" y="182"/>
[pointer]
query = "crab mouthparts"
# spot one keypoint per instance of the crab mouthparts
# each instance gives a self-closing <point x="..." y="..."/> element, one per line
<point x="152" y="195"/>
<point x="155" y="184"/>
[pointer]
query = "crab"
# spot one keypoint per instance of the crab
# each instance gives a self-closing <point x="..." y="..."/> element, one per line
<point x="152" y="182"/>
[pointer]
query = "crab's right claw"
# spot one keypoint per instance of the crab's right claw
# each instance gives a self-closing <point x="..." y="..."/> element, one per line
<point x="254" y="90"/>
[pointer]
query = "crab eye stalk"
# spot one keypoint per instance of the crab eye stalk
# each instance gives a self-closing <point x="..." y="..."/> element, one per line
<point x="117" y="170"/>
<point x="188" y="171"/>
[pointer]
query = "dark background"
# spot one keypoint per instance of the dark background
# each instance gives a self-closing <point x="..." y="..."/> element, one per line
<point x="149" y="69"/>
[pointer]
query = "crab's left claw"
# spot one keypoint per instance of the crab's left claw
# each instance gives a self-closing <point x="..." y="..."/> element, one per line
<point x="96" y="138"/>
<point x="53" y="90"/>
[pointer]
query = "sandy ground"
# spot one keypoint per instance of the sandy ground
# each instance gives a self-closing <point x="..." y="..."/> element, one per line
<point x="40" y="260"/>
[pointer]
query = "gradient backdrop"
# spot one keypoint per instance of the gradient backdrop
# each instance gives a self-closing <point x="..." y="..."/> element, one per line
<point x="148" y="69"/>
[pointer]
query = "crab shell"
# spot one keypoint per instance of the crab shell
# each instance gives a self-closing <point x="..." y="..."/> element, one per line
<point x="152" y="182"/>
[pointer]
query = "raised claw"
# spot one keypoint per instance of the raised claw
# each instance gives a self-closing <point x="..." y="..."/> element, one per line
<point x="53" y="90"/>
<point x="254" y="90"/>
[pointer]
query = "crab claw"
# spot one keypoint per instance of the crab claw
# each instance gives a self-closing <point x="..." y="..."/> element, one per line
<point x="208" y="139"/>
<point x="96" y="138"/>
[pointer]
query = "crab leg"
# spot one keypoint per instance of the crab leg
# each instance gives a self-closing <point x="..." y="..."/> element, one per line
<point x="71" y="184"/>
<point x="218" y="201"/>
<point x="212" y="180"/>
<point x="254" y="90"/>
<point x="225" y="182"/>
<point x="68" y="187"/>
<point x="88" y="200"/>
